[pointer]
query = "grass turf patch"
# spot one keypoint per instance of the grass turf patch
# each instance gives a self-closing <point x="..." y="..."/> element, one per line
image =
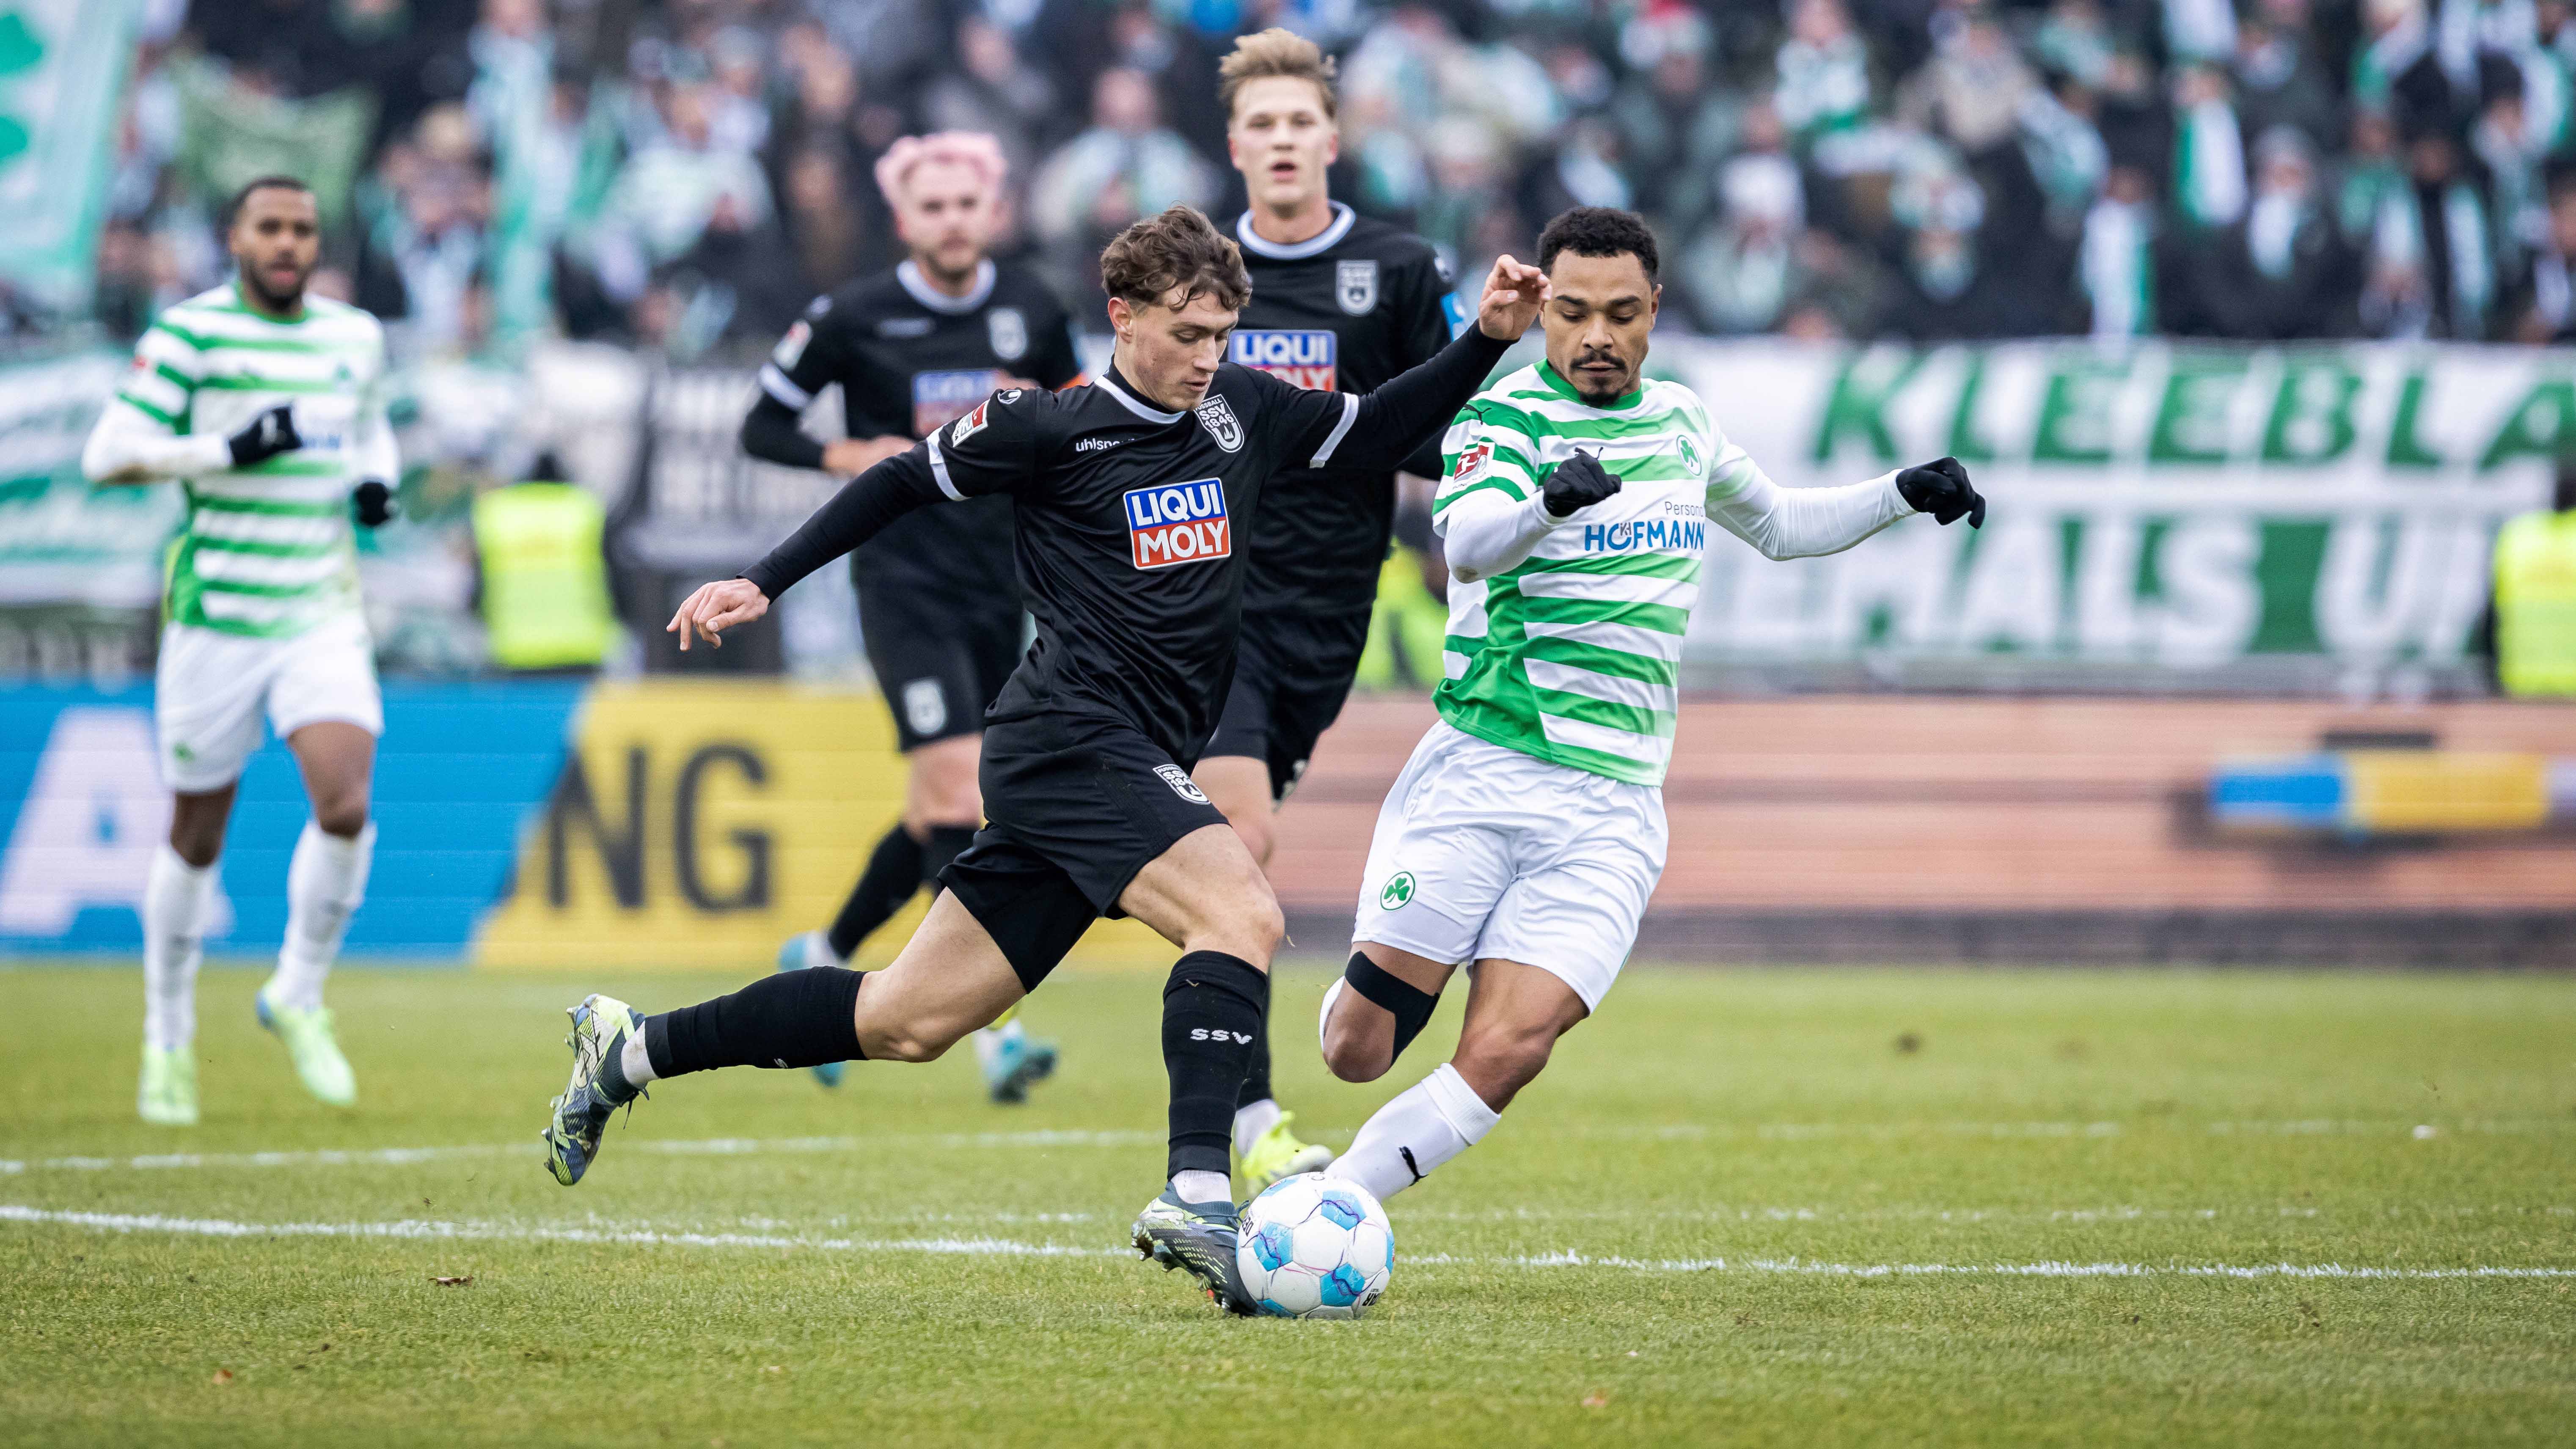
<point x="1763" y="1207"/>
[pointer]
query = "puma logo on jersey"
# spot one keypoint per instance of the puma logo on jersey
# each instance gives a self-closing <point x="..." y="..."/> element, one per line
<point x="1178" y="523"/>
<point x="1201" y="1033"/>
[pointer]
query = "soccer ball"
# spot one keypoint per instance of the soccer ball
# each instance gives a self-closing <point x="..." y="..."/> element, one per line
<point x="1313" y="1246"/>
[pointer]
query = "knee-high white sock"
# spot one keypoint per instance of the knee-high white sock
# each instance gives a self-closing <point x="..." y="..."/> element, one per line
<point x="1426" y="1124"/>
<point x="174" y="926"/>
<point x="324" y="884"/>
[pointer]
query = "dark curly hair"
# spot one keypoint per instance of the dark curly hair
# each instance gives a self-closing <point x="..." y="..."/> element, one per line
<point x="1180" y="249"/>
<point x="1598" y="231"/>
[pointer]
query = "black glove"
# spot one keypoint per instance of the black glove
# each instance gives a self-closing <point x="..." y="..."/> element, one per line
<point x="265" y="436"/>
<point x="1941" y="488"/>
<point x="374" y="502"/>
<point x="1578" y="482"/>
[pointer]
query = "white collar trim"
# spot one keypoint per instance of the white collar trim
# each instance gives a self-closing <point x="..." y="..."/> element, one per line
<point x="909" y="274"/>
<point x="1132" y="405"/>
<point x="1321" y="241"/>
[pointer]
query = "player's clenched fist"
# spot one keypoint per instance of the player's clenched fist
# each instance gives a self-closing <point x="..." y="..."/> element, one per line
<point x="1941" y="488"/>
<point x="1578" y="482"/>
<point x="715" y="608"/>
<point x="1514" y="291"/>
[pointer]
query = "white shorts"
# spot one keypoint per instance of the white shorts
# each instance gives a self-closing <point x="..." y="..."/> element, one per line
<point x="1483" y="852"/>
<point x="212" y="688"/>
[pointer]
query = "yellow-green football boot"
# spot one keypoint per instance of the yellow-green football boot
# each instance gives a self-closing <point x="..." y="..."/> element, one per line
<point x="167" y="1096"/>
<point x="1276" y="1154"/>
<point x="306" y="1031"/>
<point x="576" y="1120"/>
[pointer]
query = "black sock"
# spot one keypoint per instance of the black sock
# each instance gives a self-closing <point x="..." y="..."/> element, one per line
<point x="893" y="874"/>
<point x="945" y="844"/>
<point x="790" y="1019"/>
<point x="1212" y="1012"/>
<point x="1256" y="1081"/>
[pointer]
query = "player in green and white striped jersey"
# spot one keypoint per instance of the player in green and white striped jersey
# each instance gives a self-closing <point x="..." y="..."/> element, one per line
<point x="1527" y="831"/>
<point x="266" y="406"/>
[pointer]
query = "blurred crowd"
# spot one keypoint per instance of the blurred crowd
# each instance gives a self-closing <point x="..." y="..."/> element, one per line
<point x="686" y="174"/>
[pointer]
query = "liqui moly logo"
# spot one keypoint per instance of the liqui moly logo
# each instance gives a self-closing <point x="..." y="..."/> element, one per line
<point x="1304" y="358"/>
<point x="939" y="398"/>
<point x="1178" y="523"/>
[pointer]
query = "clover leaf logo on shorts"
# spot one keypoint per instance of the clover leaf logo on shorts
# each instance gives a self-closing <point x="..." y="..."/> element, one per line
<point x="1398" y="893"/>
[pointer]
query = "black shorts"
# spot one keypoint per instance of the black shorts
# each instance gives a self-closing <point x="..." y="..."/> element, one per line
<point x="940" y="665"/>
<point x="1291" y="674"/>
<point x="1079" y="805"/>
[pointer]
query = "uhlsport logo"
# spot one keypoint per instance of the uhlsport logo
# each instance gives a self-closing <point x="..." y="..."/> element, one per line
<point x="940" y="398"/>
<point x="1178" y="523"/>
<point x="1398" y="893"/>
<point x="1304" y="358"/>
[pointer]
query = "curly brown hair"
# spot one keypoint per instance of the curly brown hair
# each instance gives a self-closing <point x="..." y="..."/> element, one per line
<point x="1180" y="250"/>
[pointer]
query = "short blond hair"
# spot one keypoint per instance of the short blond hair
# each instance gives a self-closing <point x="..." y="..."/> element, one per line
<point x="1276" y="52"/>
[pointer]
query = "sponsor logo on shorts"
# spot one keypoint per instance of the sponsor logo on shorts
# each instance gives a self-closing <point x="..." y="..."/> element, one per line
<point x="1201" y="1033"/>
<point x="940" y="398"/>
<point x="1178" y="523"/>
<point x="1686" y="535"/>
<point x="925" y="706"/>
<point x="1398" y="892"/>
<point x="1304" y="358"/>
<point x="1181" y="783"/>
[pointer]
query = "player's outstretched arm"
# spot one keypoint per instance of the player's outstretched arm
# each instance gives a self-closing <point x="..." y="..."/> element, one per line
<point x="1789" y="523"/>
<point x="1385" y="427"/>
<point x="1486" y="531"/>
<point x="860" y="511"/>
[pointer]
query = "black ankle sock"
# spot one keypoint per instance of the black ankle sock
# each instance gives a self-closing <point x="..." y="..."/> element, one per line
<point x="1256" y="1081"/>
<point x="790" y="1019"/>
<point x="893" y="874"/>
<point x="945" y="844"/>
<point x="1212" y="1012"/>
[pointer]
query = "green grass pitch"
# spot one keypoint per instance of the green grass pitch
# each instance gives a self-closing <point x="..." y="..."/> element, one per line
<point x="1715" y="1220"/>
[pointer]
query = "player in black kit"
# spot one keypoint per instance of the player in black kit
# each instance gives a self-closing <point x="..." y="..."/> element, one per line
<point x="1126" y="491"/>
<point x="913" y="349"/>
<point x="1338" y="302"/>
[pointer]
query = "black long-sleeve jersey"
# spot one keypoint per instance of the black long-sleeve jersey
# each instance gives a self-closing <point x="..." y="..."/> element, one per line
<point x="911" y="360"/>
<point x="1126" y="546"/>
<point x="1347" y="309"/>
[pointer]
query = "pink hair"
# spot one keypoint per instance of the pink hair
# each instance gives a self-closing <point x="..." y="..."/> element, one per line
<point x="974" y="150"/>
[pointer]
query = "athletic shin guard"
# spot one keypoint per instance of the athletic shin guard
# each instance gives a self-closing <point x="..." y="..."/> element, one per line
<point x="791" y="1019"/>
<point x="893" y="874"/>
<point x="1424" y="1126"/>
<point x="1212" y="1012"/>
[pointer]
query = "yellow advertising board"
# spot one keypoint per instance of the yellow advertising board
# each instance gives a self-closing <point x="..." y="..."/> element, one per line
<point x="698" y="824"/>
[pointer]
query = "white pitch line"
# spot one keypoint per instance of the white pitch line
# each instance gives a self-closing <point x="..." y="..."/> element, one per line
<point x="682" y="1147"/>
<point x="415" y="1229"/>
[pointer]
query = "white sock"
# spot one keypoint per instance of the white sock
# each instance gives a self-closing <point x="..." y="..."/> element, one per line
<point x="174" y="922"/>
<point x="1202" y="1187"/>
<point x="1425" y="1125"/>
<point x="325" y="881"/>
<point x="990" y="1040"/>
<point x="636" y="1062"/>
<point x="1251" y="1121"/>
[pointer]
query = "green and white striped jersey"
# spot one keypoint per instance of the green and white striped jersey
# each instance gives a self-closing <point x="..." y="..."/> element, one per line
<point x="267" y="551"/>
<point x="1573" y="655"/>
